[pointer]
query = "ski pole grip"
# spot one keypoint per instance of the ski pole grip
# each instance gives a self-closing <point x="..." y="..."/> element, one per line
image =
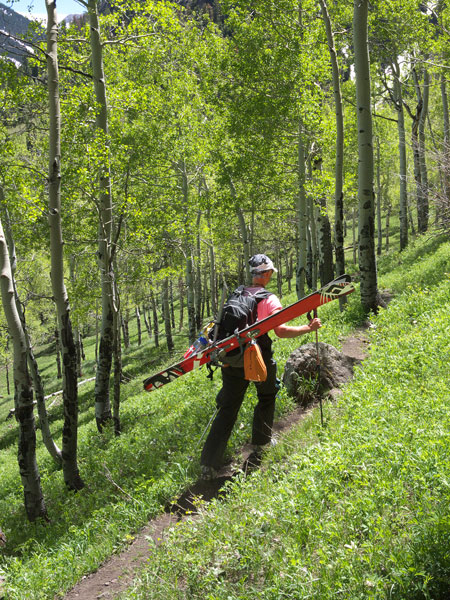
<point x="309" y="317"/>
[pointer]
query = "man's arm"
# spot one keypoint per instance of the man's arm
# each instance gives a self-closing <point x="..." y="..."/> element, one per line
<point x="291" y="331"/>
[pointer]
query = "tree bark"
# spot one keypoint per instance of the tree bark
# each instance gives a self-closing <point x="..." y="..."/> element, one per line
<point x="289" y="270"/>
<point x="388" y="217"/>
<point x="403" y="200"/>
<point x="138" y="324"/>
<point x="198" y="275"/>
<point x="118" y="375"/>
<point x="324" y="242"/>
<point x="310" y="258"/>
<point x="313" y="252"/>
<point x="76" y="330"/>
<point x="280" y="270"/>
<point x="212" y="270"/>
<point x="244" y="233"/>
<point x="423" y="206"/>
<point x="189" y="264"/>
<point x="245" y="244"/>
<point x="47" y="437"/>
<point x="302" y="215"/>
<point x="339" y="164"/>
<point x="97" y="332"/>
<point x="366" y="204"/>
<point x="23" y="394"/>
<point x="155" y="318"/>
<point x="378" y="199"/>
<point x="8" y="389"/>
<point x="443" y="211"/>
<point x="326" y="269"/>
<point x="125" y="329"/>
<point x="147" y="321"/>
<point x="167" y="319"/>
<point x="105" y="254"/>
<point x="190" y="299"/>
<point x="58" y="352"/>
<point x="68" y="350"/>
<point x="172" y="303"/>
<point x="181" y="296"/>
<point x="446" y="125"/>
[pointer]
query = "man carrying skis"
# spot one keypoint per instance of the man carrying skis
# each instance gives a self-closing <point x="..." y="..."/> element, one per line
<point x="234" y="385"/>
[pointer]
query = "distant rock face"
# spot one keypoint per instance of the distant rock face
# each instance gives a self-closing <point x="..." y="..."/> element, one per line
<point x="13" y="27"/>
<point x="300" y="372"/>
<point x="12" y="22"/>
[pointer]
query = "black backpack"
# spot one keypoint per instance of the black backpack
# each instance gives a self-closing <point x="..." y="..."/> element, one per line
<point x="239" y="311"/>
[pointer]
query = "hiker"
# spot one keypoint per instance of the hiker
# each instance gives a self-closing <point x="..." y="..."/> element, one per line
<point x="234" y="386"/>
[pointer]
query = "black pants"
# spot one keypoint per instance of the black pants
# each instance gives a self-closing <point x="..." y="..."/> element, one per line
<point x="229" y="401"/>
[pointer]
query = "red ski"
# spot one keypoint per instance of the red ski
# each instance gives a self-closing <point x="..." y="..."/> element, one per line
<point x="335" y="289"/>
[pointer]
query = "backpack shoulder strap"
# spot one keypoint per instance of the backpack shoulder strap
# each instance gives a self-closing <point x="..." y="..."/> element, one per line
<point x="261" y="294"/>
<point x="238" y="291"/>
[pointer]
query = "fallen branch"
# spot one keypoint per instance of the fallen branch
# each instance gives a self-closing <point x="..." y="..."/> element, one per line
<point x="13" y="410"/>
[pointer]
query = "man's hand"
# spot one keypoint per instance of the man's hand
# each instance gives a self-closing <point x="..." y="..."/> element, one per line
<point x="315" y="324"/>
<point x="289" y="331"/>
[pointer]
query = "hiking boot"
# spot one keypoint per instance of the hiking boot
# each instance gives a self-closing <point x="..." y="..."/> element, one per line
<point x="255" y="457"/>
<point x="208" y="473"/>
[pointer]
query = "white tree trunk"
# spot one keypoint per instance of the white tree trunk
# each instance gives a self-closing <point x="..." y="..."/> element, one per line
<point x="443" y="211"/>
<point x="366" y="201"/>
<point x="69" y="354"/>
<point x="403" y="200"/>
<point x="423" y="208"/>
<point x="212" y="271"/>
<point x="44" y="425"/>
<point x="167" y="319"/>
<point x="313" y="212"/>
<point x="302" y="215"/>
<point x="323" y="235"/>
<point x="378" y="200"/>
<point x="105" y="252"/>
<point x="339" y="164"/>
<point x="244" y="233"/>
<point x="181" y="171"/>
<point x="76" y="330"/>
<point x="23" y="393"/>
<point x="198" y="276"/>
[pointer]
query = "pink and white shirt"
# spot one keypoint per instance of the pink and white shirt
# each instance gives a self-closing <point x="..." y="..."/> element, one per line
<point x="266" y="306"/>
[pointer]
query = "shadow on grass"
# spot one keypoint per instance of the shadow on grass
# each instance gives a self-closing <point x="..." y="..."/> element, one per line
<point x="420" y="249"/>
<point x="206" y="491"/>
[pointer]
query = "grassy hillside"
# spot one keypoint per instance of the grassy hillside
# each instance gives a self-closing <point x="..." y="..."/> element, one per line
<point x="359" y="509"/>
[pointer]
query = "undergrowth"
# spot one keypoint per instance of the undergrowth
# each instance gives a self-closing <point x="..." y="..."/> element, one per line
<point x="355" y="510"/>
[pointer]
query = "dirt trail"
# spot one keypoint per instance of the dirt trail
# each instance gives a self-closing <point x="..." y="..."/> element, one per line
<point x="117" y="573"/>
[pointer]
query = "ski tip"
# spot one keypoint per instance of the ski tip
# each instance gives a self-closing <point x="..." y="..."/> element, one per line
<point x="148" y="385"/>
<point x="341" y="286"/>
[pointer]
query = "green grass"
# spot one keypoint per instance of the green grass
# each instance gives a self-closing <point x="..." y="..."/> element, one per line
<point x="359" y="509"/>
<point x="153" y="460"/>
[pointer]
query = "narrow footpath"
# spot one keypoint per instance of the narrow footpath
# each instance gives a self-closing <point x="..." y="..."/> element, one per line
<point x="115" y="575"/>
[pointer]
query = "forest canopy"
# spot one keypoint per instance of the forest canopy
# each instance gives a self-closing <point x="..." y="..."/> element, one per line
<point x="150" y="148"/>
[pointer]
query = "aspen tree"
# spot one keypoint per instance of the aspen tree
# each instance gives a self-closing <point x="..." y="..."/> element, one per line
<point x="68" y="349"/>
<point x="366" y="196"/>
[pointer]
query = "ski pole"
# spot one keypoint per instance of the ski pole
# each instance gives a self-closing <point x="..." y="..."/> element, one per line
<point x="318" y="366"/>
<point x="204" y="432"/>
